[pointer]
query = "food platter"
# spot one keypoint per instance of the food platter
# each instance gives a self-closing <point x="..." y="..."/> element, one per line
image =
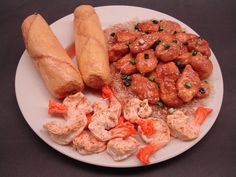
<point x="32" y="95"/>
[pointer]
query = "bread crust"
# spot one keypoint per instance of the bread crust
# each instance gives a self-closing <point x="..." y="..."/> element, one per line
<point x="59" y="73"/>
<point x="90" y="47"/>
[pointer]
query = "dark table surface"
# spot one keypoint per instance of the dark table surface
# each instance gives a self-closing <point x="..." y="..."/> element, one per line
<point x="23" y="153"/>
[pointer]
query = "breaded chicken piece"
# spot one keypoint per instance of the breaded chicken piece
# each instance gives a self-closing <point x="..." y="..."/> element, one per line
<point x="168" y="93"/>
<point x="144" y="42"/>
<point x="126" y="65"/>
<point x="166" y="37"/>
<point x="184" y="37"/>
<point x="204" y="90"/>
<point x="169" y="26"/>
<point x="148" y="26"/>
<point x="166" y="76"/>
<point x="126" y="36"/>
<point x="200" y="45"/>
<point x="202" y="65"/>
<point x="144" y="88"/>
<point x="184" y="58"/>
<point x="169" y="70"/>
<point x="167" y="51"/>
<point x="117" y="51"/>
<point x="146" y="61"/>
<point x="188" y="84"/>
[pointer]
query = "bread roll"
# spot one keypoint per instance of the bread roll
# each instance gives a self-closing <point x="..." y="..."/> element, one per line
<point x="58" y="71"/>
<point x="90" y="47"/>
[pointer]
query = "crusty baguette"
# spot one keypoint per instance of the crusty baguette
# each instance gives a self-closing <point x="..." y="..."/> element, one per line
<point x="90" y="47"/>
<point x="58" y="71"/>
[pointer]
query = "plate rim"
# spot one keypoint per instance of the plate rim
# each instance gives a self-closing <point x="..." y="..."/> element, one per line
<point x="172" y="155"/>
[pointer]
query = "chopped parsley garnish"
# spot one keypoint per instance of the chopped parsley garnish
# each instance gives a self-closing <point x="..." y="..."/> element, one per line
<point x="167" y="46"/>
<point x="175" y="41"/>
<point x="132" y="61"/>
<point x="156" y="43"/>
<point x="112" y="34"/>
<point x="194" y="52"/>
<point x="161" y="28"/>
<point x="151" y="78"/>
<point x="127" y="43"/>
<point x="146" y="56"/>
<point x="202" y="90"/>
<point x="136" y="27"/>
<point x="185" y="43"/>
<point x="154" y="21"/>
<point x="179" y="64"/>
<point x="160" y="104"/>
<point x="188" y="84"/>
<point x="124" y="76"/>
<point x="127" y="83"/>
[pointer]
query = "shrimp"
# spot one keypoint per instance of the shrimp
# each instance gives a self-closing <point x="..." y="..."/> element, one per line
<point x="99" y="130"/>
<point x="183" y="128"/>
<point x="55" y="108"/>
<point x="76" y="104"/>
<point x="110" y="113"/>
<point x="135" y="109"/>
<point x="64" y="132"/>
<point x="106" y="117"/>
<point x="71" y="106"/>
<point x="156" y="141"/>
<point x="121" y="148"/>
<point x="86" y="143"/>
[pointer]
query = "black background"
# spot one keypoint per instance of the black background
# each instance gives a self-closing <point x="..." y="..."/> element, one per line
<point x="24" y="154"/>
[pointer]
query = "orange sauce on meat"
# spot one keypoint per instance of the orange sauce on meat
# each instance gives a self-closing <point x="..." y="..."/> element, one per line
<point x="124" y="93"/>
<point x="70" y="50"/>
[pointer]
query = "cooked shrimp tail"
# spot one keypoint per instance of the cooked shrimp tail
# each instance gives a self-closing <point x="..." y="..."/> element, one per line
<point x="106" y="92"/>
<point x="89" y="118"/>
<point x="56" y="108"/>
<point x="123" y="130"/>
<point x="121" y="120"/>
<point x="145" y="152"/>
<point x="146" y="126"/>
<point x="201" y="114"/>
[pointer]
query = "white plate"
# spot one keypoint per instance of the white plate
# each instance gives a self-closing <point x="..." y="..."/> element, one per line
<point x="32" y="95"/>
